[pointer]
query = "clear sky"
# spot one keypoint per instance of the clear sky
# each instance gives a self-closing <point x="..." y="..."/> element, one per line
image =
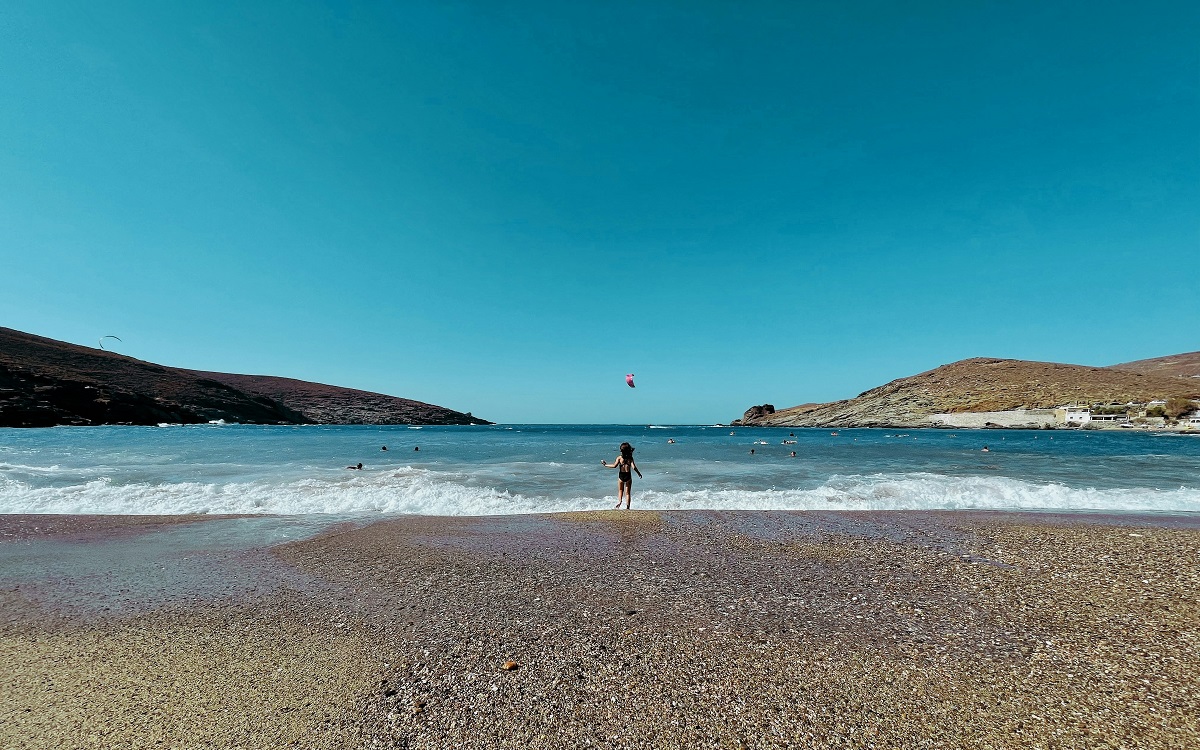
<point x="505" y="207"/>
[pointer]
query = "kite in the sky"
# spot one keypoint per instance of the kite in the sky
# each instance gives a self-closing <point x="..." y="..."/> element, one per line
<point x="101" y="341"/>
<point x="629" y="380"/>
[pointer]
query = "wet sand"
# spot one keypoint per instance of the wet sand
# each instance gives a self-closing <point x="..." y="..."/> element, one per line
<point x="620" y="629"/>
<point x="17" y="526"/>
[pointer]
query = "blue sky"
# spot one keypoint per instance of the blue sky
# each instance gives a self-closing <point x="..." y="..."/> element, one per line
<point x="504" y="208"/>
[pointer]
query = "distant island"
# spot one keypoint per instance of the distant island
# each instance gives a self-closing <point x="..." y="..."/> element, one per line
<point x="46" y="383"/>
<point x="983" y="392"/>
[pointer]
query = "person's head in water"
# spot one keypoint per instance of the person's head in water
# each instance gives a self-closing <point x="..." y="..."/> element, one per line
<point x="383" y="448"/>
<point x="627" y="451"/>
<point x="416" y="447"/>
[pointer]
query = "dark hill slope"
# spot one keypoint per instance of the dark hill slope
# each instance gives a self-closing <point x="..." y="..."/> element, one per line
<point x="44" y="382"/>
<point x="983" y="384"/>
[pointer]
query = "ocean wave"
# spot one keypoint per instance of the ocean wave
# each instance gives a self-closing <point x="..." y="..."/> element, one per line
<point x="921" y="491"/>
<point x="427" y="492"/>
<point x="30" y="469"/>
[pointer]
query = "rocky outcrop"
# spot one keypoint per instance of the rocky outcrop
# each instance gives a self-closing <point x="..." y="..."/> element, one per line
<point x="782" y="417"/>
<point x="755" y="413"/>
<point x="981" y="385"/>
<point x="44" y="383"/>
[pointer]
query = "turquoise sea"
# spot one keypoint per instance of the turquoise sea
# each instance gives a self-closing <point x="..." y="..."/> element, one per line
<point x="506" y="469"/>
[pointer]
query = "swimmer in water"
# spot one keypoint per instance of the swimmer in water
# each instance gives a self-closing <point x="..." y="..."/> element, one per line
<point x="793" y="454"/>
<point x="354" y="467"/>
<point x="383" y="448"/>
<point x="625" y="466"/>
<point x="985" y="449"/>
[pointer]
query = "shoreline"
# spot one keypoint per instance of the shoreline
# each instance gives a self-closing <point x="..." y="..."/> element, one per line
<point x="992" y="427"/>
<point x="631" y="629"/>
<point x="18" y="526"/>
<point x="84" y="526"/>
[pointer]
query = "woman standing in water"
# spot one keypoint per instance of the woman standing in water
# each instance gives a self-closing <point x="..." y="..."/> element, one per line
<point x="625" y="467"/>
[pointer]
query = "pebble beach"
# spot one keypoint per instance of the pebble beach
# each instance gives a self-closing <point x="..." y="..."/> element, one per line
<point x="631" y="629"/>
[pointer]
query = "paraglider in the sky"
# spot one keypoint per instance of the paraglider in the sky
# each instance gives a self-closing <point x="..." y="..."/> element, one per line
<point x="101" y="342"/>
<point x="629" y="380"/>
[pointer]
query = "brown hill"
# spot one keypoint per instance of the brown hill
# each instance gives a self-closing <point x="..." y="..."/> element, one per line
<point x="1179" y="365"/>
<point x="44" y="382"/>
<point x="981" y="384"/>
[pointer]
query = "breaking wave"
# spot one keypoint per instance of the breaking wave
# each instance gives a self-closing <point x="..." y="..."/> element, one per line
<point x="422" y="491"/>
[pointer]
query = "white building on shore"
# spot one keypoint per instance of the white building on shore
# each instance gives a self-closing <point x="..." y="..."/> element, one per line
<point x="1079" y="415"/>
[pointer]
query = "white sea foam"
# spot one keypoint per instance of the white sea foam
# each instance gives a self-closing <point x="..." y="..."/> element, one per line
<point x="48" y="470"/>
<point x="920" y="491"/>
<point x="422" y="491"/>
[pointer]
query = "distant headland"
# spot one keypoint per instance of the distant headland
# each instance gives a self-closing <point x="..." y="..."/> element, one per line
<point x="45" y="383"/>
<point x="983" y="392"/>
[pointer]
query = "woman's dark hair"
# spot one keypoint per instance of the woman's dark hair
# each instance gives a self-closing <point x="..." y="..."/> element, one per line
<point x="626" y="451"/>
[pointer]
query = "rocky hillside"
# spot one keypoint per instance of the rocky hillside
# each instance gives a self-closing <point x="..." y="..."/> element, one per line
<point x="982" y="384"/>
<point x="1179" y="365"/>
<point x="44" y="382"/>
<point x="329" y="404"/>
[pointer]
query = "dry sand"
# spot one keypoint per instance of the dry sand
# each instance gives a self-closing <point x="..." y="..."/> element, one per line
<point x="640" y="629"/>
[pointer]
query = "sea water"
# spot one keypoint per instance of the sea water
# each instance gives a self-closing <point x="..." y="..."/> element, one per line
<point x="508" y="469"/>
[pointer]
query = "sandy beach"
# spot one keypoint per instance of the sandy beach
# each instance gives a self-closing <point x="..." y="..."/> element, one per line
<point x="615" y="629"/>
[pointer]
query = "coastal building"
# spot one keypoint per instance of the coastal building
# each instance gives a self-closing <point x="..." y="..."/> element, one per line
<point x="1079" y="415"/>
<point x="1108" y="418"/>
